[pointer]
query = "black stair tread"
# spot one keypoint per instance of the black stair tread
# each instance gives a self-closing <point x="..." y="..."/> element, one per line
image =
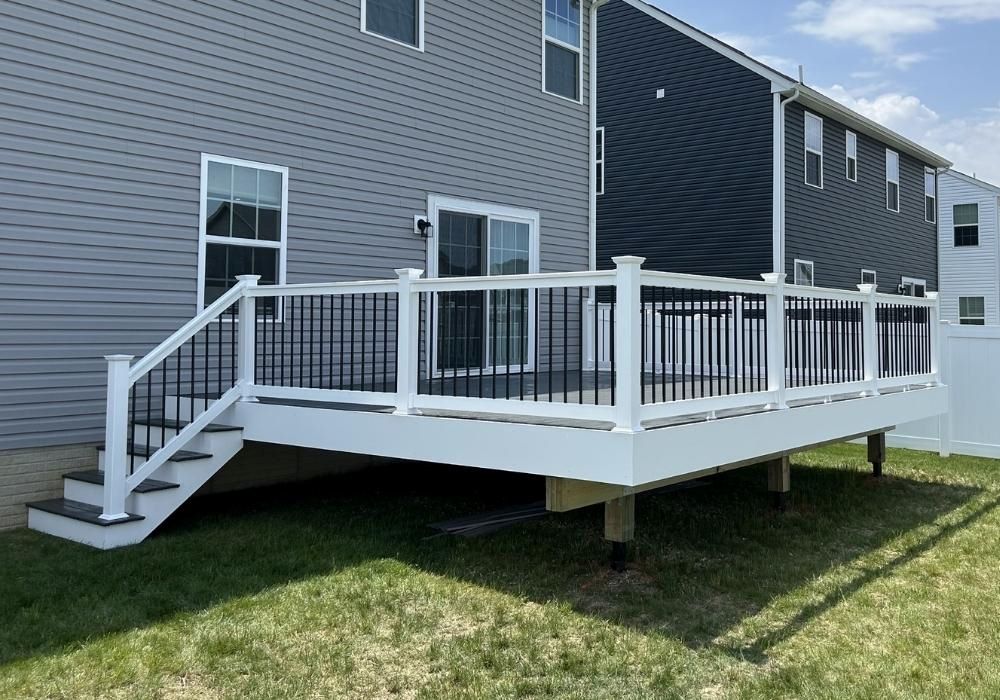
<point x="174" y="424"/>
<point x="179" y="456"/>
<point x="77" y="510"/>
<point x="96" y="476"/>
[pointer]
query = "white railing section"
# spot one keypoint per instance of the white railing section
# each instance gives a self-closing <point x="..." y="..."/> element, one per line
<point x="647" y="346"/>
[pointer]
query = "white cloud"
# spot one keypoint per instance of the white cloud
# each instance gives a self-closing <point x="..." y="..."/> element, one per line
<point x="973" y="143"/>
<point x="879" y="25"/>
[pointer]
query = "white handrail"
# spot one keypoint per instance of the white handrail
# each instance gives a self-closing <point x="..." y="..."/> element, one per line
<point x="185" y="333"/>
<point x="541" y="280"/>
<point x="324" y="288"/>
<point x="676" y="280"/>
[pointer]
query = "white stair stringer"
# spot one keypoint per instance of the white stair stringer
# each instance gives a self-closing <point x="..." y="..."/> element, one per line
<point x="173" y="483"/>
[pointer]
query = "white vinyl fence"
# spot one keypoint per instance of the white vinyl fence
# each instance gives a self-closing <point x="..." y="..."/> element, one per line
<point x="970" y="366"/>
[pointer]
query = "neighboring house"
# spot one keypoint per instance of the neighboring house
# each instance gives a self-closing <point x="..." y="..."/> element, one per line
<point x="968" y="249"/>
<point x="713" y="163"/>
<point x="153" y="151"/>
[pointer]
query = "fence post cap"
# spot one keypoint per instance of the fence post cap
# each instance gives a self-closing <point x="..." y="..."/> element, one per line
<point x="866" y="288"/>
<point x="933" y="296"/>
<point x="409" y="273"/>
<point x="250" y="280"/>
<point x="119" y="358"/>
<point x="773" y="277"/>
<point x="628" y="260"/>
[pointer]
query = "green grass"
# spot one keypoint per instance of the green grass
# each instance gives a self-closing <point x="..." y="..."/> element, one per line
<point x="332" y="590"/>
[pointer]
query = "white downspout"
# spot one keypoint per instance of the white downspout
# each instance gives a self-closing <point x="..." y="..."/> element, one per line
<point x="592" y="97"/>
<point x="779" y="174"/>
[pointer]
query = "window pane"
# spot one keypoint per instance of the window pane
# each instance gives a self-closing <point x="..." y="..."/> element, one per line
<point x="966" y="214"/>
<point x="892" y="196"/>
<point x="562" y="71"/>
<point x="396" y="19"/>
<point x="930" y="206"/>
<point x="270" y="188"/>
<point x="217" y="217"/>
<point x="562" y="21"/>
<point x="245" y="185"/>
<point x="852" y="169"/>
<point x="814" y="133"/>
<point x="268" y="224"/>
<point x="966" y="235"/>
<point x="929" y="184"/>
<point x="814" y="169"/>
<point x="892" y="166"/>
<point x="265" y="264"/>
<point x="220" y="180"/>
<point x="244" y="221"/>
<point x="852" y="145"/>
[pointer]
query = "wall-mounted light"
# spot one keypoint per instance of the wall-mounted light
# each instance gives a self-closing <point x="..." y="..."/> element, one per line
<point x="422" y="226"/>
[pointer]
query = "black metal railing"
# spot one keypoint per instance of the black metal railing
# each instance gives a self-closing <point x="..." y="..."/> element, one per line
<point x="824" y="341"/>
<point x="903" y="338"/>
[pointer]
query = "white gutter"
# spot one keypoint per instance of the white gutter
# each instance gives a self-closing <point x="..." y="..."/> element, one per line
<point x="780" y="165"/>
<point x="592" y="97"/>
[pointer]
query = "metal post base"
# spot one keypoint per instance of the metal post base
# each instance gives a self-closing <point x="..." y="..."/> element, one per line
<point x="779" y="501"/>
<point x="877" y="470"/>
<point x="619" y="555"/>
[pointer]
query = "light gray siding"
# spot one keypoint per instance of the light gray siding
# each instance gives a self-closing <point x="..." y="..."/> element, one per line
<point x="968" y="271"/>
<point x="106" y="107"/>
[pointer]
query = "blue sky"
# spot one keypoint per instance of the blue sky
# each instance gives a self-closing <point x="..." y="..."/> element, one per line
<point x="929" y="69"/>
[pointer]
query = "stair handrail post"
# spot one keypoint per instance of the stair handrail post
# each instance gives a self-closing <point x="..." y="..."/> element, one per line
<point x="869" y="337"/>
<point x="247" y="340"/>
<point x="628" y="344"/>
<point x="115" y="437"/>
<point x="934" y="329"/>
<point x="775" y="338"/>
<point x="407" y="340"/>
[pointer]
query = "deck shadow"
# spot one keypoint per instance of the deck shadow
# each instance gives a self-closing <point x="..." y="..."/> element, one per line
<point x="706" y="559"/>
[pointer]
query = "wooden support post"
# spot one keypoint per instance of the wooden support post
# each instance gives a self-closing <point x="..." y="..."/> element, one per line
<point x="779" y="481"/>
<point x="876" y="453"/>
<point x="619" y="528"/>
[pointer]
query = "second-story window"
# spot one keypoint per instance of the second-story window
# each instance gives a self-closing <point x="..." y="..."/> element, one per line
<point x="398" y="20"/>
<point x="930" y="196"/>
<point x="966" y="223"/>
<point x="852" y="156"/>
<point x="814" y="150"/>
<point x="599" y="160"/>
<point x="891" y="180"/>
<point x="562" y="56"/>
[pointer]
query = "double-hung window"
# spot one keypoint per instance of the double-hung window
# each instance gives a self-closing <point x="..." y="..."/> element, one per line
<point x="972" y="311"/>
<point x="814" y="150"/>
<point x="966" y="223"/>
<point x="562" y="56"/>
<point x="930" y="195"/>
<point x="891" y="180"/>
<point x="243" y="221"/>
<point x="913" y="287"/>
<point x="401" y="21"/>
<point x="599" y="160"/>
<point x="852" y="156"/>
<point x="869" y="277"/>
<point x="803" y="273"/>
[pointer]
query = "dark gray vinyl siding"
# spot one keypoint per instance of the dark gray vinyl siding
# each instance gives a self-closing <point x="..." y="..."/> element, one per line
<point x="688" y="176"/>
<point x="845" y="226"/>
<point x="106" y="107"/>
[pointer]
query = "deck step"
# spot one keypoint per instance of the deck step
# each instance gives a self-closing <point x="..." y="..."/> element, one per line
<point x="179" y="456"/>
<point x="178" y="425"/>
<point x="95" y="476"/>
<point x="84" y="512"/>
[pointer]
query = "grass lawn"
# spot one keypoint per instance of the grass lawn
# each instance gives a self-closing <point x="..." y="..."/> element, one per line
<point x="864" y="589"/>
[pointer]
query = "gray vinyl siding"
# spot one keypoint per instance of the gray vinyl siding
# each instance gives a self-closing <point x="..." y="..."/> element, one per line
<point x="107" y="107"/>
<point x="845" y="226"/>
<point x="689" y="176"/>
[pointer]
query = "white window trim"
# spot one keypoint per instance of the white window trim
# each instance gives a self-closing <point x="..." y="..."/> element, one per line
<point x="579" y="55"/>
<point x="978" y="224"/>
<point x="899" y="190"/>
<point x="822" y="147"/>
<point x="931" y="171"/>
<point x="914" y="281"/>
<point x="849" y="157"/>
<point x="873" y="273"/>
<point x="420" y="27"/>
<point x="795" y="272"/>
<point x="204" y="239"/>
<point x="438" y="203"/>
<point x="599" y="162"/>
<point x="962" y="319"/>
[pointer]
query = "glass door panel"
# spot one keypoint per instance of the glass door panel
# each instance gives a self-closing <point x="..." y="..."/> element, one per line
<point x="460" y="315"/>
<point x="509" y="254"/>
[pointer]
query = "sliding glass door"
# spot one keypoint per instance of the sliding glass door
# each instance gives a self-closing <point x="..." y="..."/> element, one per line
<point x="482" y="330"/>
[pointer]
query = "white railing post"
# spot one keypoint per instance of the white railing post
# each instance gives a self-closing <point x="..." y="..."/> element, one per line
<point x="115" y="437"/>
<point x="247" y="349"/>
<point x="869" y="337"/>
<point x="934" y="329"/>
<point x="775" y="338"/>
<point x="407" y="340"/>
<point x="628" y="344"/>
<point x="943" y="329"/>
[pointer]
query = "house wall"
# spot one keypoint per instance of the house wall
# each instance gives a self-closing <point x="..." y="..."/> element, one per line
<point x="968" y="270"/>
<point x="688" y="176"/>
<point x="845" y="226"/>
<point x="108" y="107"/>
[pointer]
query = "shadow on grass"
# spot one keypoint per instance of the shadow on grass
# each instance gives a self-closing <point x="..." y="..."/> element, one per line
<point x="706" y="558"/>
